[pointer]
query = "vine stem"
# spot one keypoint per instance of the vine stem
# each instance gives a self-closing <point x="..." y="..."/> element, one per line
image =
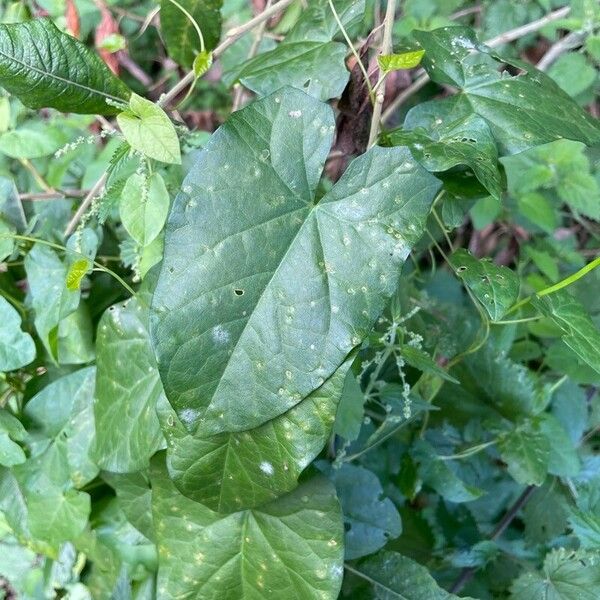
<point x="230" y="38"/>
<point x="386" y="48"/>
<point x="467" y="573"/>
<point x="558" y="286"/>
<point x="98" y="265"/>
<point x="503" y="38"/>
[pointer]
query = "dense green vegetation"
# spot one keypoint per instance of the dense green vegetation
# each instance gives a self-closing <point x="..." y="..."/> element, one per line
<point x="299" y="300"/>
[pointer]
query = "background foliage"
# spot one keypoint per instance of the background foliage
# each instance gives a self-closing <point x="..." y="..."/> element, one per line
<point x="346" y="346"/>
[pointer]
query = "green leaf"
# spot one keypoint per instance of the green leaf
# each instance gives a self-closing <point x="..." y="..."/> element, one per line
<point x="370" y="521"/>
<point x="579" y="331"/>
<point x="292" y="546"/>
<point x="526" y="450"/>
<point x="50" y="298"/>
<point x="567" y="575"/>
<point x="396" y="577"/>
<point x="179" y="33"/>
<point x="493" y="380"/>
<point x="350" y="412"/>
<point x="17" y="348"/>
<point x="495" y="286"/>
<point x="299" y="309"/>
<point x="419" y="359"/>
<point x="144" y="206"/>
<point x="537" y="208"/>
<point x="148" y="129"/>
<point x="573" y="73"/>
<point x="135" y="499"/>
<point x="127" y="390"/>
<point x="76" y="273"/>
<point x="438" y="474"/>
<point x="231" y="471"/>
<point x="62" y="415"/>
<point x="34" y="140"/>
<point x="55" y="518"/>
<point x="523" y="110"/>
<point x="307" y="58"/>
<point x="585" y="518"/>
<point x="563" y="460"/>
<point x="47" y="68"/>
<point x="7" y="243"/>
<point x="11" y="431"/>
<point x="396" y="62"/>
<point x="466" y="141"/>
<point x="561" y="165"/>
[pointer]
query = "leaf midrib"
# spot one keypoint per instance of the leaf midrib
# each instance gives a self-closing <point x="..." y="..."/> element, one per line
<point x="68" y="82"/>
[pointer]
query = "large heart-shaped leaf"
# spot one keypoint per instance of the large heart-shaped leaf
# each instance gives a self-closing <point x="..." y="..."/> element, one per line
<point x="127" y="389"/>
<point x="289" y="548"/>
<point x="263" y="291"/>
<point x="45" y="67"/>
<point x="523" y="110"/>
<point x="308" y="58"/>
<point x="231" y="471"/>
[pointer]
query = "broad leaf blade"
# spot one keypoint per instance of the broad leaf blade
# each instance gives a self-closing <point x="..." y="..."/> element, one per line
<point x="148" y="129"/>
<point x="522" y="111"/>
<point x="370" y="520"/>
<point x="495" y="286"/>
<point x="466" y="141"/>
<point x="304" y="305"/>
<point x="17" y="348"/>
<point x="258" y="553"/>
<point x="567" y="575"/>
<point x="231" y="471"/>
<point x="308" y="58"/>
<point x="397" y="577"/>
<point x="181" y="38"/>
<point x="526" y="450"/>
<point x="144" y="207"/>
<point x="47" y="68"/>
<point x="579" y="331"/>
<point x="127" y="390"/>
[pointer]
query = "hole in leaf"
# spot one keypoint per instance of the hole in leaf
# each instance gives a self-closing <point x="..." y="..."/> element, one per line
<point x="461" y="269"/>
<point x="238" y="292"/>
<point x="306" y="83"/>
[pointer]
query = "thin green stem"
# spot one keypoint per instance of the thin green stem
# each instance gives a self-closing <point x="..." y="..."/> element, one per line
<point x="352" y="48"/>
<point x="96" y="264"/>
<point x="192" y="21"/>
<point x="512" y="321"/>
<point x="468" y="452"/>
<point x="560" y="285"/>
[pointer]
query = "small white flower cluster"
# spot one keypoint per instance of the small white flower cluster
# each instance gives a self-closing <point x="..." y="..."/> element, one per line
<point x="116" y="104"/>
<point x="81" y="140"/>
